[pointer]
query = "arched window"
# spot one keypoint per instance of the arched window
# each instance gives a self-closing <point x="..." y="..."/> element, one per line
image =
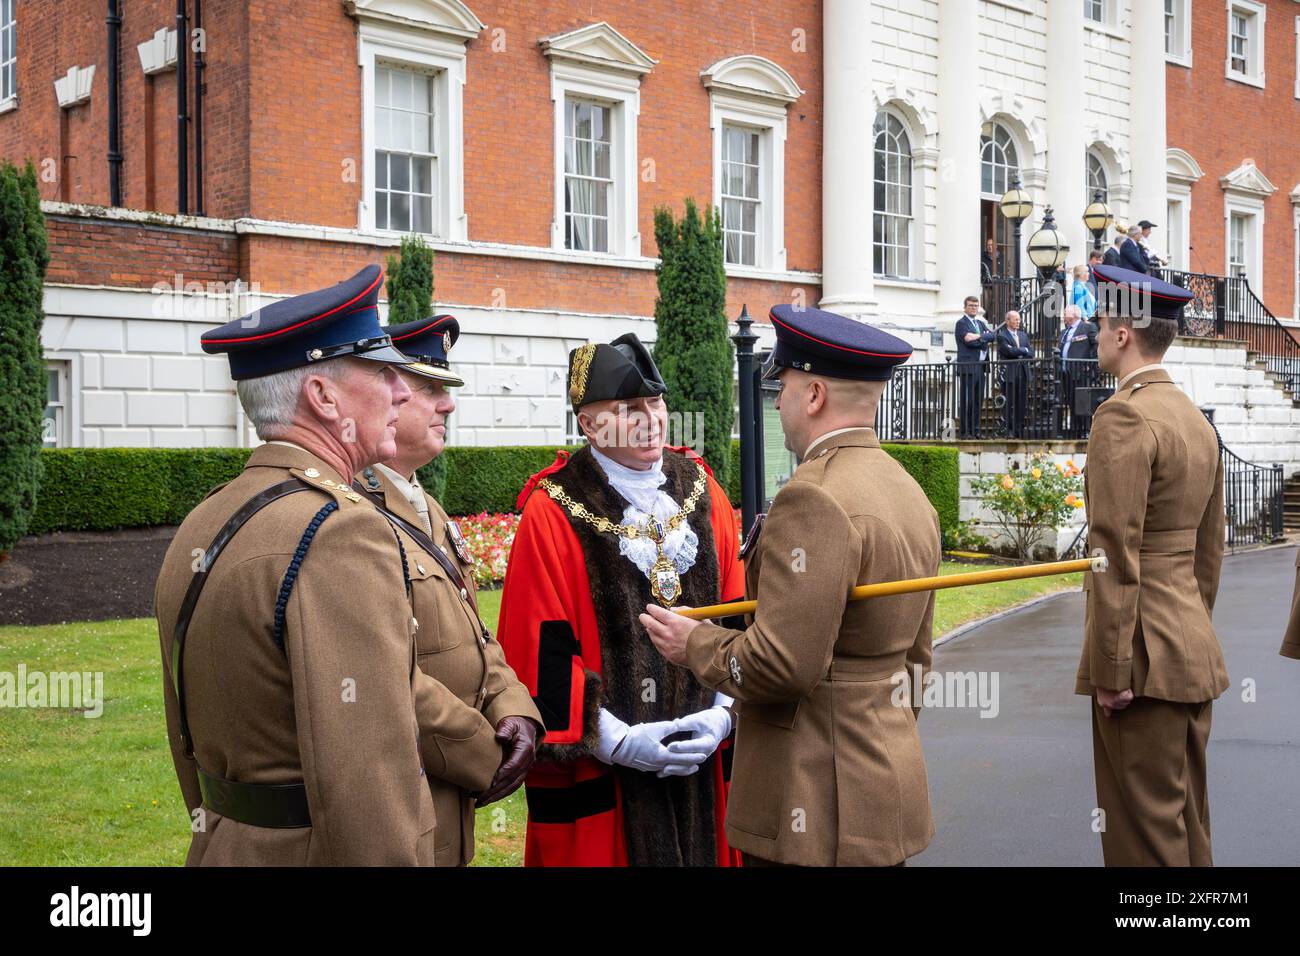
<point x="1096" y="179"/>
<point x="999" y="166"/>
<point x="998" y="161"/>
<point x="892" y="227"/>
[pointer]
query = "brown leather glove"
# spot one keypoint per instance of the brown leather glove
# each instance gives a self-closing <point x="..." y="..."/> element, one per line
<point x="519" y="737"/>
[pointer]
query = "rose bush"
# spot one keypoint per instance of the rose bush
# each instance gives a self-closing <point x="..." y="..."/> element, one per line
<point x="1029" y="501"/>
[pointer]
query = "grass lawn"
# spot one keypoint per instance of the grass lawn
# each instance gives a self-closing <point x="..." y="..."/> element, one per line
<point x="102" y="791"/>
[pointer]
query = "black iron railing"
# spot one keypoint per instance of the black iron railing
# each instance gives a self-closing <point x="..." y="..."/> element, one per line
<point x="1031" y="399"/>
<point x="1252" y="501"/>
<point x="1227" y="307"/>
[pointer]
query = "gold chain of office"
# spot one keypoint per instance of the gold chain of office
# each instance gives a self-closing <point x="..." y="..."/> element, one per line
<point x="665" y="582"/>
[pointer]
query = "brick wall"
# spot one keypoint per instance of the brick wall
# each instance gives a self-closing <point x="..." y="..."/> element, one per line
<point x="1221" y="122"/>
<point x="95" y="252"/>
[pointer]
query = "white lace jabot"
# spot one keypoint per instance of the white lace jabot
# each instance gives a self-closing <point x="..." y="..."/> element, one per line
<point x="642" y="489"/>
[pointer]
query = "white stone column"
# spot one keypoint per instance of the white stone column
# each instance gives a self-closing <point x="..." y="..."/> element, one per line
<point x="1147" y="122"/>
<point x="848" y="284"/>
<point x="957" y="187"/>
<point x="1067" y="148"/>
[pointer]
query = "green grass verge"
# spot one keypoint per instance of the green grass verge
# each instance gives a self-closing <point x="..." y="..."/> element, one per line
<point x="102" y="792"/>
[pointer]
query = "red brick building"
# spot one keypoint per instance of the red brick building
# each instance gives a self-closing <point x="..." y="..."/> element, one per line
<point x="531" y="141"/>
<point x="1233" y="104"/>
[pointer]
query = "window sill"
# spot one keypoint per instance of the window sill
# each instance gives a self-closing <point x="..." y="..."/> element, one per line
<point x="1257" y="81"/>
<point x="1020" y="6"/>
<point x="771" y="275"/>
<point x="896" y="282"/>
<point x="1104" y="28"/>
<point x="1177" y="59"/>
<point x="9" y="103"/>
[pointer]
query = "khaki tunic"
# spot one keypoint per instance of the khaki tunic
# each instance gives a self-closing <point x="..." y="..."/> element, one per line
<point x="336" y="709"/>
<point x="451" y="650"/>
<point x="828" y="767"/>
<point x="1154" y="486"/>
<point x="1154" y="490"/>
<point x="1291" y="639"/>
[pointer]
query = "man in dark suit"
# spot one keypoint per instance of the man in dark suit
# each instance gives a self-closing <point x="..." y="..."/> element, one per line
<point x="1078" y="344"/>
<point x="1131" y="254"/>
<point x="1111" y="256"/>
<point x="1014" y="350"/>
<point x="973" y="339"/>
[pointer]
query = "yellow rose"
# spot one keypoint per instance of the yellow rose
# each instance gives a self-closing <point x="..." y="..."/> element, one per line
<point x="1007" y="483"/>
<point x="1077" y="503"/>
<point x="1037" y="473"/>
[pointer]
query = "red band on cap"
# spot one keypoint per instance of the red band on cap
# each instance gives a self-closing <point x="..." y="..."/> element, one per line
<point x="832" y="345"/>
<point x="298" y="325"/>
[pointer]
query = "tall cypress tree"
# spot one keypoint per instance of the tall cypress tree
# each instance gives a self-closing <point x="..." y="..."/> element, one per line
<point x="23" y="260"/>
<point x="410" y="298"/>
<point x="692" y="349"/>
<point x="410" y="282"/>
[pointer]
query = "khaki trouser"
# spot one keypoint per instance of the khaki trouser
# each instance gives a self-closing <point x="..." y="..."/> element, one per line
<point x="1150" y="766"/>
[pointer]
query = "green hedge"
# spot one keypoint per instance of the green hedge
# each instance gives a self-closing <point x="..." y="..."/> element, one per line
<point x="489" y="478"/>
<point x="99" y="489"/>
<point x="934" y="468"/>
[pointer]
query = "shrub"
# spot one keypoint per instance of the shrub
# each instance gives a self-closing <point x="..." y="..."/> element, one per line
<point x="24" y="257"/>
<point x="1030" y="501"/>
<point x="692" y="349"/>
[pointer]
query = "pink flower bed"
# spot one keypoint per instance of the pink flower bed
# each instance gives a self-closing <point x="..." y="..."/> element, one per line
<point x="489" y="537"/>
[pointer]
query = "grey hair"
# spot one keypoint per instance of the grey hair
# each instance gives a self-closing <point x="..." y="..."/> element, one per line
<point x="271" y="401"/>
<point x="1134" y="231"/>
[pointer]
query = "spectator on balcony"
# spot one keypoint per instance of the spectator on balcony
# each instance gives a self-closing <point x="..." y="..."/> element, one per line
<point x="1014" y="349"/>
<point x="1081" y="294"/>
<point x="1111" y="256"/>
<point x="988" y="261"/>
<point x="1078" y="345"/>
<point x="973" y="339"/>
<point x="1095" y="258"/>
<point x="1131" y="253"/>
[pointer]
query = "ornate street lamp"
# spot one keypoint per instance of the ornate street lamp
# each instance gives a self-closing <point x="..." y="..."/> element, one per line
<point x="1097" y="218"/>
<point x="1047" y="247"/>
<point x="1016" y="207"/>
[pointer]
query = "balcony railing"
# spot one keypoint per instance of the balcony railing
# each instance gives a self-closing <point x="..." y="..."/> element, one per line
<point x="1029" y="399"/>
<point x="1227" y="307"/>
<point x="1252" y="500"/>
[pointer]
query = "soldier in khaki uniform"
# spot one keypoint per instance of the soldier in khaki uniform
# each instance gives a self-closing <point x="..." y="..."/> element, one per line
<point x="297" y="718"/>
<point x="1291" y="639"/>
<point x="828" y="767"/>
<point x="452" y="645"/>
<point x="1151" y="659"/>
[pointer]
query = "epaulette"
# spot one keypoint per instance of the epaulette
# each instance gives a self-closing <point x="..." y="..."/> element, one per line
<point x="340" y="490"/>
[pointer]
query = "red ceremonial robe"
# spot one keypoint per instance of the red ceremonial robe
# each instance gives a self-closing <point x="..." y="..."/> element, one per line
<point x="576" y="803"/>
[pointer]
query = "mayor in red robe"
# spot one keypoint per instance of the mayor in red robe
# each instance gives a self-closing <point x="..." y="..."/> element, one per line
<point x="635" y="763"/>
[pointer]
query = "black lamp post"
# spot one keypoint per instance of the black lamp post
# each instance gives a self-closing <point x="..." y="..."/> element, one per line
<point x="1016" y="206"/>
<point x="749" y="421"/>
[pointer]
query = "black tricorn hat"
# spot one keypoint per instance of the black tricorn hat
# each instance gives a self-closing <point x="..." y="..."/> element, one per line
<point x="622" y="369"/>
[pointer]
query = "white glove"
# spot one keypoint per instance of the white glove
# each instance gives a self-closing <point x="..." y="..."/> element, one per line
<point x="711" y="727"/>
<point x="639" y="746"/>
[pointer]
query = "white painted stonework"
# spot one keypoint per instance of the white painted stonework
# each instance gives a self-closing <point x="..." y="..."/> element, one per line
<point x="1059" y="86"/>
<point x="139" y="378"/>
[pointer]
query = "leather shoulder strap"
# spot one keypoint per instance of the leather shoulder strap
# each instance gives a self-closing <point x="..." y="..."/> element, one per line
<point x="249" y="508"/>
<point x="426" y="544"/>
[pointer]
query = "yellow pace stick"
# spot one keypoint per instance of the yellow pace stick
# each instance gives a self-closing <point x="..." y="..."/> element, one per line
<point x="885" y="588"/>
